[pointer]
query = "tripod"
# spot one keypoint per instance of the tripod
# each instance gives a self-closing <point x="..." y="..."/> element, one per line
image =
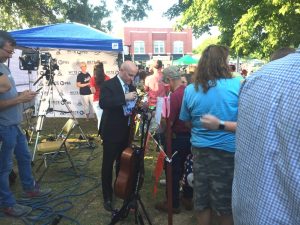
<point x="46" y="109"/>
<point x="134" y="200"/>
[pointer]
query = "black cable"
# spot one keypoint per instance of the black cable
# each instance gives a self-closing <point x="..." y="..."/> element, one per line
<point x="51" y="210"/>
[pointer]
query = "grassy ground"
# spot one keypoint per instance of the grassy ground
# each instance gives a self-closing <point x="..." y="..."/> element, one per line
<point x="83" y="194"/>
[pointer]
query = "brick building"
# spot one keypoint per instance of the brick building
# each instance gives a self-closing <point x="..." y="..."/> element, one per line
<point x="157" y="43"/>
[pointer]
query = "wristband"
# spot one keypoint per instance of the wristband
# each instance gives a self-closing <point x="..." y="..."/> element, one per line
<point x="222" y="125"/>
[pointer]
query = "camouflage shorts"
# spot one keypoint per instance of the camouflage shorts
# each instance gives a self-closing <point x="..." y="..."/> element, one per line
<point x="213" y="175"/>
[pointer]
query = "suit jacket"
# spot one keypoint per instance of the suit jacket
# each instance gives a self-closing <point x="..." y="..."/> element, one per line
<point x="114" y="125"/>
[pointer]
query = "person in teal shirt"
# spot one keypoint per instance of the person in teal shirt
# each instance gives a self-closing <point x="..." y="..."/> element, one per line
<point x="214" y="92"/>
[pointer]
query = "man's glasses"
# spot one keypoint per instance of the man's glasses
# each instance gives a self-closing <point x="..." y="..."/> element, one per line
<point x="8" y="52"/>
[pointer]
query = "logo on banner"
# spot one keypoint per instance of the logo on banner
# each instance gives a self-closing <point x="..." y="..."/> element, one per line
<point x="78" y="112"/>
<point x="61" y="62"/>
<point x="54" y="102"/>
<point x="115" y="45"/>
<point x="93" y="62"/>
<point x="81" y="52"/>
<point x="73" y="72"/>
<point x="66" y="102"/>
<point x="62" y="83"/>
<point x="74" y="92"/>
<point x="71" y="51"/>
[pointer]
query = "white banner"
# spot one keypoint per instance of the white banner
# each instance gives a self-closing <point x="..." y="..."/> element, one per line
<point x="58" y="99"/>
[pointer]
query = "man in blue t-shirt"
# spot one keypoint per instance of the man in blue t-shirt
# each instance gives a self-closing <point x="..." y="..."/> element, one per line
<point x="12" y="139"/>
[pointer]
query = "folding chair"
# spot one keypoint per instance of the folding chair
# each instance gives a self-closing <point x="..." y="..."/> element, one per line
<point x="53" y="148"/>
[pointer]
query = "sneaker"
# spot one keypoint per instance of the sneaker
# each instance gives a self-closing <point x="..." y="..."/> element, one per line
<point x="163" y="181"/>
<point x="163" y="207"/>
<point x="17" y="210"/>
<point x="37" y="192"/>
<point x="187" y="203"/>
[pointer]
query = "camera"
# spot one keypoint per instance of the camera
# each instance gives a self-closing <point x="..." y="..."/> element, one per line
<point x="48" y="61"/>
<point x="49" y="65"/>
<point x="45" y="58"/>
<point x="29" y="60"/>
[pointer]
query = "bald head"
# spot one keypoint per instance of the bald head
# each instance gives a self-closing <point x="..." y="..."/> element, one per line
<point x="128" y="71"/>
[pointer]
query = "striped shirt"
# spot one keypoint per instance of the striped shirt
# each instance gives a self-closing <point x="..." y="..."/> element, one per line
<point x="266" y="187"/>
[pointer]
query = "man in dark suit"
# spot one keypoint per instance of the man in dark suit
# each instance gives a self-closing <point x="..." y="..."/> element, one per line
<point x="114" y="128"/>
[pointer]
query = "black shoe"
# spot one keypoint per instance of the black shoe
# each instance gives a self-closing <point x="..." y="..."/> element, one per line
<point x="108" y="206"/>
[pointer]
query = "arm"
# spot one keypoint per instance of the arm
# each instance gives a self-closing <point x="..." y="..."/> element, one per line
<point x="211" y="122"/>
<point x="146" y="85"/>
<point x="25" y="96"/>
<point x="146" y="88"/>
<point x="111" y="97"/>
<point x="79" y="84"/>
<point x="4" y="83"/>
<point x="93" y="90"/>
<point x="80" y="80"/>
<point x="185" y="114"/>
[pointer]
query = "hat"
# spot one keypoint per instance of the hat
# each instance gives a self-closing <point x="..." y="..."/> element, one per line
<point x="172" y="72"/>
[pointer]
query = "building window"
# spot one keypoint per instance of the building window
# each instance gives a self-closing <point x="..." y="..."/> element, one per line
<point x="159" y="47"/>
<point x="178" y="47"/>
<point x="139" y="47"/>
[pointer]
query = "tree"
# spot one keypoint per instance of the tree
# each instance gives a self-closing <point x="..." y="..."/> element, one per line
<point x="133" y="9"/>
<point x="25" y="13"/>
<point x="208" y="41"/>
<point x="255" y="27"/>
<point x="267" y="27"/>
<point x="22" y="13"/>
<point x="95" y="16"/>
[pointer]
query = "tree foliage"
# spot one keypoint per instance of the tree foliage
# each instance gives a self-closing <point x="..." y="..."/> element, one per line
<point x="133" y="9"/>
<point x="256" y="27"/>
<point x="208" y="41"/>
<point x="85" y="13"/>
<point x="26" y="13"/>
<point x="267" y="27"/>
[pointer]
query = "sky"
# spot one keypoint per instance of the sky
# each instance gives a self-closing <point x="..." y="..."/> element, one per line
<point x="155" y="19"/>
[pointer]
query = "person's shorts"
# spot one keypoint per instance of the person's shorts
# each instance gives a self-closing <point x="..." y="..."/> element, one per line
<point x="213" y="175"/>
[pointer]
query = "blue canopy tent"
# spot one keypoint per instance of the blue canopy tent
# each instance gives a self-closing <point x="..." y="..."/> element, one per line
<point x="67" y="36"/>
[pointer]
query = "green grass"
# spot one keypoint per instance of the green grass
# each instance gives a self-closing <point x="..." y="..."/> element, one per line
<point x="85" y="191"/>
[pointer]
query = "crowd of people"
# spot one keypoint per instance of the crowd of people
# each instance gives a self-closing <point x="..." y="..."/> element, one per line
<point x="242" y="134"/>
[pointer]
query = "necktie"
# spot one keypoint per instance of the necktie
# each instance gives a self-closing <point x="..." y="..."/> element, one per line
<point x="129" y="104"/>
<point x="126" y="88"/>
